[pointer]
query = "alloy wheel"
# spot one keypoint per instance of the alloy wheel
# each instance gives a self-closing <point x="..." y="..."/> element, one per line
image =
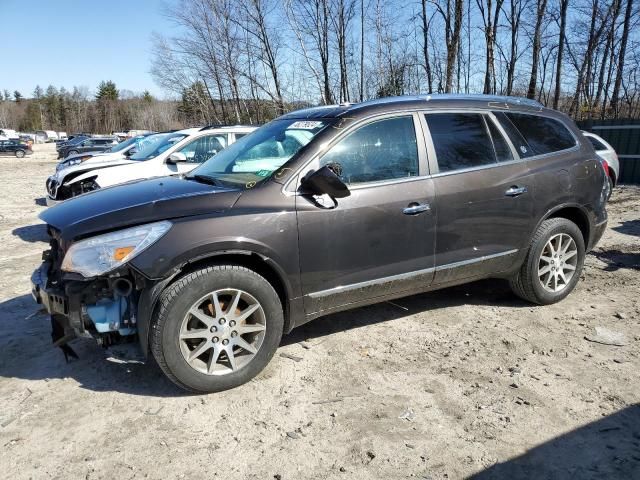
<point x="222" y="332"/>
<point x="558" y="262"/>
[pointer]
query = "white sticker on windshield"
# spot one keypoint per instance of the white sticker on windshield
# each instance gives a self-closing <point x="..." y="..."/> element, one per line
<point x="305" y="125"/>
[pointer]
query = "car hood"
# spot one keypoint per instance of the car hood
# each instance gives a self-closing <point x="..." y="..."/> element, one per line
<point x="92" y="163"/>
<point x="136" y="203"/>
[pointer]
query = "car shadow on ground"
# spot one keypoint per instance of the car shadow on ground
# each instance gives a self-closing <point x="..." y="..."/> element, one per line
<point x="616" y="259"/>
<point x="629" y="227"/>
<point x="32" y="233"/>
<point x="608" y="448"/>
<point x="41" y="202"/>
<point x="485" y="292"/>
<point x="26" y="351"/>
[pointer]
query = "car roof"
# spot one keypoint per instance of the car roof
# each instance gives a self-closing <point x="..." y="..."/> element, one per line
<point x="412" y="102"/>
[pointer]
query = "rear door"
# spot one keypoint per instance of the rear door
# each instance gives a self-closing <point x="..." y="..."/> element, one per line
<point x="379" y="240"/>
<point x="483" y="191"/>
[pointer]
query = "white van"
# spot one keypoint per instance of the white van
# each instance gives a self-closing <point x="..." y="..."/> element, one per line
<point x="8" y="134"/>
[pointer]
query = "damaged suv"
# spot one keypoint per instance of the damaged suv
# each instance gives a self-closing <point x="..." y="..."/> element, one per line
<point x="323" y="210"/>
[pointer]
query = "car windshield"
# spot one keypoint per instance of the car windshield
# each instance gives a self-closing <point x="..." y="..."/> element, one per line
<point x="255" y="157"/>
<point x="154" y="145"/>
<point x="76" y="140"/>
<point x="123" y="145"/>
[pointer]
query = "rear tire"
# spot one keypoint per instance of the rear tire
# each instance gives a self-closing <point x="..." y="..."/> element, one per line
<point x="610" y="180"/>
<point x="548" y="275"/>
<point x="192" y="349"/>
<point x="72" y="152"/>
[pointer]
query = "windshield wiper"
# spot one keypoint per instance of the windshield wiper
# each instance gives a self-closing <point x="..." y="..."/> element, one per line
<point x="204" y="179"/>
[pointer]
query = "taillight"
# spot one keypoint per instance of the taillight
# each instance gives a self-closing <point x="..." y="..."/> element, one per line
<point x="605" y="165"/>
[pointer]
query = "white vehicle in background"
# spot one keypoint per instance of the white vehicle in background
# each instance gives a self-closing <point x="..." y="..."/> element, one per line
<point x="163" y="154"/>
<point x="121" y="151"/>
<point x="46" y="136"/>
<point x="63" y="136"/>
<point x="8" y="134"/>
<point x="608" y="154"/>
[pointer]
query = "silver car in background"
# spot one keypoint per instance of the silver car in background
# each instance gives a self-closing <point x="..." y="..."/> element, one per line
<point x="608" y="154"/>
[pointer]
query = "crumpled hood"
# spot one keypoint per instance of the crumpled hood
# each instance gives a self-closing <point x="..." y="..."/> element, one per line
<point x="92" y="163"/>
<point x="136" y="203"/>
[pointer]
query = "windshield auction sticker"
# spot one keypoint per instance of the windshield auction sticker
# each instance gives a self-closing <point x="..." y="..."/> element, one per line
<point x="305" y="125"/>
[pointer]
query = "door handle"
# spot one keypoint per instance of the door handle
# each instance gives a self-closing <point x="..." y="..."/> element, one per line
<point x="515" y="191"/>
<point x="416" y="208"/>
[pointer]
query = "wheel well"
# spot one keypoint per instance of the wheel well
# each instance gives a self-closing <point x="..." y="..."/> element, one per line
<point x="578" y="217"/>
<point x="612" y="174"/>
<point x="251" y="261"/>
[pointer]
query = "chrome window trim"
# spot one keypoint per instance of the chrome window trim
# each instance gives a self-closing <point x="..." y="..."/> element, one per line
<point x="403" y="276"/>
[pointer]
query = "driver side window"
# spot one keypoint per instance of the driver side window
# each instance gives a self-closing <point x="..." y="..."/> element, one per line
<point x="204" y="148"/>
<point x="382" y="150"/>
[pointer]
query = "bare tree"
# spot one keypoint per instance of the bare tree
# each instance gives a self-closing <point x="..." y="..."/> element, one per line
<point x="621" y="58"/>
<point x="564" y="5"/>
<point x="490" y="17"/>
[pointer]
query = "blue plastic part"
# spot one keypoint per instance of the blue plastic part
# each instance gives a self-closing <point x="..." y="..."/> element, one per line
<point x="107" y="315"/>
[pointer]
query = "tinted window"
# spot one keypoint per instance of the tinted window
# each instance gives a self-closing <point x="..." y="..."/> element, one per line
<point x="382" y="150"/>
<point x="518" y="141"/>
<point x="544" y="135"/>
<point x="597" y="144"/>
<point x="500" y="145"/>
<point x="461" y="140"/>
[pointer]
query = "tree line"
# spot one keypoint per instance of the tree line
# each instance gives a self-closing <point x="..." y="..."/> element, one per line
<point x="247" y="61"/>
<point x="578" y="56"/>
<point x="78" y="110"/>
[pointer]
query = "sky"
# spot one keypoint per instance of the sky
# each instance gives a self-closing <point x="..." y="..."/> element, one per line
<point x="66" y="43"/>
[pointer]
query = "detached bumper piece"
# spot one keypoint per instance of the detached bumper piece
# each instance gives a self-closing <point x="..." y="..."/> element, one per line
<point x="104" y="309"/>
<point x="58" y="308"/>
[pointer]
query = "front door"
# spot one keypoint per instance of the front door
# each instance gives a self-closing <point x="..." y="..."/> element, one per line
<point x="484" y="196"/>
<point x="379" y="240"/>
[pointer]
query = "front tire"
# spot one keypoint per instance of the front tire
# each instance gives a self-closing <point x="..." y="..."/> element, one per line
<point x="216" y="328"/>
<point x="20" y="153"/>
<point x="72" y="152"/>
<point x="553" y="263"/>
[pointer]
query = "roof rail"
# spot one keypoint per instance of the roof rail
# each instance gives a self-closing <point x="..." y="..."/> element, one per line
<point x="225" y="125"/>
<point x="489" y="98"/>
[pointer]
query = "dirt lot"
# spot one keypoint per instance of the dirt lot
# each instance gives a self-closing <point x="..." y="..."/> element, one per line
<point x="464" y="382"/>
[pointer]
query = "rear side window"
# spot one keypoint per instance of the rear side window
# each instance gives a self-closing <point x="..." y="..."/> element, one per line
<point x="466" y="140"/>
<point x="542" y="134"/>
<point x="597" y="145"/>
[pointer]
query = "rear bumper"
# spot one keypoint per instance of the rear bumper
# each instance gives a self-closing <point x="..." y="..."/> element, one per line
<point x="597" y="232"/>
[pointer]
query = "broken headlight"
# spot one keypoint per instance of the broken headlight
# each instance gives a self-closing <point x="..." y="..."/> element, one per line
<point x="103" y="253"/>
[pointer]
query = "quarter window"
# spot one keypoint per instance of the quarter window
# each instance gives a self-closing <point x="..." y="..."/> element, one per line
<point x="382" y="150"/>
<point x="542" y="134"/>
<point x="463" y="140"/>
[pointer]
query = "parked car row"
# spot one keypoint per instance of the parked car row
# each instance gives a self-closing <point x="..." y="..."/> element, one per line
<point x="321" y="210"/>
<point x="155" y="155"/>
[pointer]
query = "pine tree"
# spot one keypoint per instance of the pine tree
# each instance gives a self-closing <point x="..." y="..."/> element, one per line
<point x="17" y="96"/>
<point x="107" y="91"/>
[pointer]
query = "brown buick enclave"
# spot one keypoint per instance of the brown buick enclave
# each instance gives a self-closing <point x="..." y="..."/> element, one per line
<point x="322" y="210"/>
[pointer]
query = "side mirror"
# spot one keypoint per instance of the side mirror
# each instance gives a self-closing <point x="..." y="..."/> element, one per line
<point x="325" y="181"/>
<point x="177" y="157"/>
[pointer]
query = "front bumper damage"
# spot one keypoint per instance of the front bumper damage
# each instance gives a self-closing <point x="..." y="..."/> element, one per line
<point x="103" y="308"/>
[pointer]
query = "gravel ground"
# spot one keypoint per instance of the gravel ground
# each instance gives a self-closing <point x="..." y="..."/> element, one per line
<point x="465" y="382"/>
